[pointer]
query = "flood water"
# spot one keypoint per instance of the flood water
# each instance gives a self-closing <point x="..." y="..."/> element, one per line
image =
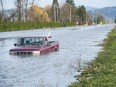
<point x="57" y="69"/>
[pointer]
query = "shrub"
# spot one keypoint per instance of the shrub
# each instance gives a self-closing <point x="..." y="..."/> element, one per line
<point x="14" y="26"/>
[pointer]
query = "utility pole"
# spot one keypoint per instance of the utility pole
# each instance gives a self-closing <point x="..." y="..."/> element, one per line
<point x="57" y="14"/>
<point x="23" y="9"/>
<point x="26" y="9"/>
<point x="54" y="13"/>
<point x="86" y="18"/>
<point x="70" y="13"/>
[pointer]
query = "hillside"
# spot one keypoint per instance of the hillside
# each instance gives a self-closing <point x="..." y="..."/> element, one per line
<point x="109" y="12"/>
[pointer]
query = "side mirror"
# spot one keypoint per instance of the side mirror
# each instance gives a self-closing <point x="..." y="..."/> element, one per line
<point x="49" y="35"/>
<point x="15" y="44"/>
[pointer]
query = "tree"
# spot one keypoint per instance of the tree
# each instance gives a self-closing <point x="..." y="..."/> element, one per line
<point x="65" y="12"/>
<point x="1" y="2"/>
<point x="55" y="11"/>
<point x="89" y="18"/>
<point x="81" y="12"/>
<point x="100" y="20"/>
<point x="47" y="8"/>
<point x="26" y="9"/>
<point x="68" y="13"/>
<point x="115" y="20"/>
<point x="0" y="16"/>
<point x="72" y="8"/>
<point x="71" y="2"/>
<point x="33" y="2"/>
<point x="37" y="13"/>
<point x="21" y="9"/>
<point x="18" y="5"/>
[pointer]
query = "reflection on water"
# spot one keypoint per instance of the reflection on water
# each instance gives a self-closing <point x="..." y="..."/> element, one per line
<point x="57" y="69"/>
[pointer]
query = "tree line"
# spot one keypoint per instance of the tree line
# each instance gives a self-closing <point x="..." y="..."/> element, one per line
<point x="27" y="10"/>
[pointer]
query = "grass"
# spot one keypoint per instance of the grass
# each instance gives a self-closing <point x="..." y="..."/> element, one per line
<point x="101" y="72"/>
<point x="16" y="26"/>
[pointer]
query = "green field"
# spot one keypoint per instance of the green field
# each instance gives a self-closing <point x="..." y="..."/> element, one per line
<point x="101" y="72"/>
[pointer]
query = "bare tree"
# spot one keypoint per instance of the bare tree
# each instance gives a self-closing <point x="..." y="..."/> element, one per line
<point x="1" y="2"/>
<point x="18" y="5"/>
<point x="26" y="2"/>
<point x="12" y="16"/>
<point x="21" y="9"/>
<point x="33" y="2"/>
<point x="65" y="13"/>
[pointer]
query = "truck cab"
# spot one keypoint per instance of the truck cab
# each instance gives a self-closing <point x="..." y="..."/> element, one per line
<point x="39" y="41"/>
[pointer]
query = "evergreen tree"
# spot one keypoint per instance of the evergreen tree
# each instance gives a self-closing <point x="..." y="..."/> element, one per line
<point x="55" y="11"/>
<point x="115" y="20"/>
<point x="81" y="12"/>
<point x="71" y="2"/>
<point x="100" y="19"/>
<point x="55" y="2"/>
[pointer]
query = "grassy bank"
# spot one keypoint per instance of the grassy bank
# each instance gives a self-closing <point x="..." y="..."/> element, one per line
<point x="14" y="26"/>
<point x="101" y="72"/>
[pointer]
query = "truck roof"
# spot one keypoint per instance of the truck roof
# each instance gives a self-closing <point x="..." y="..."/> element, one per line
<point x="34" y="37"/>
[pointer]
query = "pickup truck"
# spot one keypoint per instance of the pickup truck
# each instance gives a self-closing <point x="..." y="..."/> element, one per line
<point x="34" y="46"/>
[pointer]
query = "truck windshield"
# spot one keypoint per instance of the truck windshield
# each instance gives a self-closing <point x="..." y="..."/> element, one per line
<point x="31" y="41"/>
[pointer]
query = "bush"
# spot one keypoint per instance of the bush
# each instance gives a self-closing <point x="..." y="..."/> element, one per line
<point x="14" y="26"/>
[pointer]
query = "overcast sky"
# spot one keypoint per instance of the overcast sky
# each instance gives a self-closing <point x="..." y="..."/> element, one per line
<point x="8" y="4"/>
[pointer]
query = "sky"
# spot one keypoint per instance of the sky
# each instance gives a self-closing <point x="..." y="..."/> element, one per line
<point x="8" y="4"/>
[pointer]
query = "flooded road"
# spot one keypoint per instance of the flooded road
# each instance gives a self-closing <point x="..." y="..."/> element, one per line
<point x="56" y="69"/>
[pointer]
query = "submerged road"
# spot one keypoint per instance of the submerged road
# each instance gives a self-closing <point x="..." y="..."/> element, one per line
<point x="78" y="44"/>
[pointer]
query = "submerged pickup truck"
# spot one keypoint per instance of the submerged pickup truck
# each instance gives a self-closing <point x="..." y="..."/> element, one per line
<point x="34" y="46"/>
